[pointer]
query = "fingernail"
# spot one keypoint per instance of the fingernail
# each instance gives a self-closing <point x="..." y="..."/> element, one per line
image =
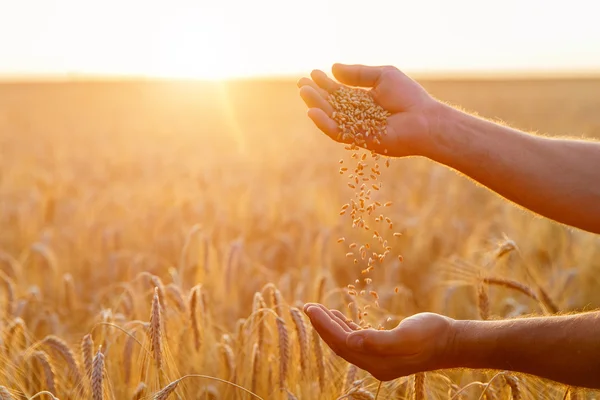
<point x="307" y="311"/>
<point x="356" y="342"/>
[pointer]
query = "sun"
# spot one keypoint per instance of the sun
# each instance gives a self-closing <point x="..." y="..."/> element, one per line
<point x="196" y="48"/>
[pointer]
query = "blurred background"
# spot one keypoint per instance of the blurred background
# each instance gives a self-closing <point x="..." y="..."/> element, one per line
<point x="144" y="140"/>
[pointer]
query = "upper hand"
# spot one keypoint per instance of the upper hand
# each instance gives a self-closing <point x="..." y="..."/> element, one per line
<point x="413" y="109"/>
<point x="419" y="343"/>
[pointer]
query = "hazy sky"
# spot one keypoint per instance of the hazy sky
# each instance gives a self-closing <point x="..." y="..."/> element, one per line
<point x="257" y="37"/>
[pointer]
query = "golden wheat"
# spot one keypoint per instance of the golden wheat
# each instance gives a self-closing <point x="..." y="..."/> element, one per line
<point x="101" y="203"/>
<point x="155" y="331"/>
<point x="98" y="376"/>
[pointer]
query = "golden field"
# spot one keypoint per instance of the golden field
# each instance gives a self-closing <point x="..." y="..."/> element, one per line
<point x="213" y="192"/>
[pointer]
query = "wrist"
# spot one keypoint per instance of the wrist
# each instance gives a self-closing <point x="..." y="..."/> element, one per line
<point x="472" y="344"/>
<point x="441" y="138"/>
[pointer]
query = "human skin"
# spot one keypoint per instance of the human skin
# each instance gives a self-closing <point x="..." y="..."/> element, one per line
<point x="556" y="178"/>
<point x="561" y="348"/>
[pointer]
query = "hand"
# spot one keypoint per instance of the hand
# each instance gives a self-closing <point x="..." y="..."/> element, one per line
<point x="413" y="109"/>
<point x="419" y="343"/>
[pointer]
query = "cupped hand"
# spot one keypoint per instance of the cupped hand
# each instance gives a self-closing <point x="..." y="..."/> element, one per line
<point x="413" y="109"/>
<point x="419" y="343"/>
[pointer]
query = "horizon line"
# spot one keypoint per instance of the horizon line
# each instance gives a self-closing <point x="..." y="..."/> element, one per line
<point x="416" y="73"/>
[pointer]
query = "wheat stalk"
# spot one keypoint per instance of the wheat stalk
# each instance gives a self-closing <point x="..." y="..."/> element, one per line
<point x="284" y="351"/>
<point x="139" y="391"/>
<point x="419" y="386"/>
<point x="98" y="376"/>
<point x="5" y="394"/>
<point x="513" y="383"/>
<point x="350" y="378"/>
<point x="127" y="355"/>
<point x="255" y="366"/>
<point x="165" y="392"/>
<point x="175" y="294"/>
<point x="193" y="305"/>
<point x="42" y="358"/>
<point x="61" y="347"/>
<point x="229" y="359"/>
<point x="483" y="302"/>
<point x="87" y="353"/>
<point x="9" y="287"/>
<point x="318" y="350"/>
<point x="155" y="330"/>
<point x="302" y="335"/>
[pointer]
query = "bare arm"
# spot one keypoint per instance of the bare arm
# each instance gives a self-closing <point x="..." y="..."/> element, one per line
<point x="564" y="349"/>
<point x="556" y="178"/>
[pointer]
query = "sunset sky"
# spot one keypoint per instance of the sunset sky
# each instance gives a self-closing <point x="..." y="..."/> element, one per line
<point x="233" y="38"/>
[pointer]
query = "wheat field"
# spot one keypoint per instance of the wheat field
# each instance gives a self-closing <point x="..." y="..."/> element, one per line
<point x="156" y="230"/>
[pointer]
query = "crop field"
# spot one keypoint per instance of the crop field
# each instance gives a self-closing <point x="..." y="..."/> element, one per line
<point x="158" y="230"/>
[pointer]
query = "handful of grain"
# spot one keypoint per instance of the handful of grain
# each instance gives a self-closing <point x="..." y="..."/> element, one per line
<point x="360" y="119"/>
<point x="361" y="122"/>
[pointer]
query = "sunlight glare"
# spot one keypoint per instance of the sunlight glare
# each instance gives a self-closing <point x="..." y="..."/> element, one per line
<point x="196" y="48"/>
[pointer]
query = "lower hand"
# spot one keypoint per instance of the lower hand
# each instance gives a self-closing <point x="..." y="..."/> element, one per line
<point x="419" y="343"/>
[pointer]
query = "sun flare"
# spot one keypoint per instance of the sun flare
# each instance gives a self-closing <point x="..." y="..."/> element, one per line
<point x="196" y="48"/>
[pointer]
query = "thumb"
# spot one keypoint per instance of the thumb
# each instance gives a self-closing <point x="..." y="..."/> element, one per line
<point x="371" y="340"/>
<point x="357" y="75"/>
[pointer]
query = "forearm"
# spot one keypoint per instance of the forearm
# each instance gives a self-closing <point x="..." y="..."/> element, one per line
<point x="564" y="349"/>
<point x="559" y="179"/>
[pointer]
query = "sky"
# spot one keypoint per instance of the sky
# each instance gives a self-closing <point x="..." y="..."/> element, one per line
<point x="238" y="38"/>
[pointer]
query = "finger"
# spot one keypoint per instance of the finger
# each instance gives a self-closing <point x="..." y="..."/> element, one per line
<point x="308" y="305"/>
<point x="348" y="322"/>
<point x="357" y="75"/>
<point x="333" y="313"/>
<point x="330" y="331"/>
<point x="324" y="81"/>
<point x="313" y="99"/>
<point x="341" y="321"/>
<point x="310" y="83"/>
<point x="324" y="123"/>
